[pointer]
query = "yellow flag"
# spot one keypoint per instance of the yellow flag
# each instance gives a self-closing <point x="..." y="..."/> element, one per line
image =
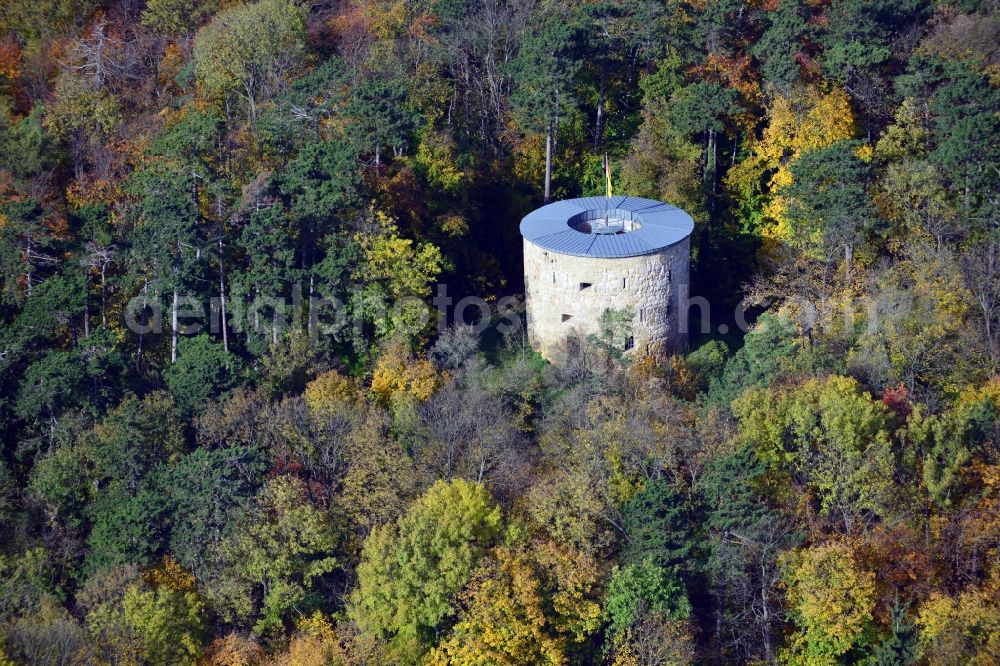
<point x="607" y="173"/>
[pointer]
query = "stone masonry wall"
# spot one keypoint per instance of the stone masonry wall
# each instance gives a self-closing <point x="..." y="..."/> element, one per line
<point x="566" y="296"/>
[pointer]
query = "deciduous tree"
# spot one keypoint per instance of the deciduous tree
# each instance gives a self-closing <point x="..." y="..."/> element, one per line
<point x="411" y="572"/>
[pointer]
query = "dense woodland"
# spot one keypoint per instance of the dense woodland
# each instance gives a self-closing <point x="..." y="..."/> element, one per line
<point x="824" y="489"/>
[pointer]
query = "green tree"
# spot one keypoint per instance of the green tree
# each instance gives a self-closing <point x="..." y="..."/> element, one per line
<point x="614" y="329"/>
<point x="656" y="522"/>
<point x="170" y="623"/>
<point x="966" y="112"/>
<point x="830" y="206"/>
<point x="321" y="189"/>
<point x="60" y="483"/>
<point x="642" y="588"/>
<point x="779" y="44"/>
<point x="203" y="371"/>
<point x="708" y="361"/>
<point x="900" y="647"/>
<point x="122" y="451"/>
<point x="48" y="319"/>
<point x="248" y="50"/>
<point x="768" y="349"/>
<point x="411" y="572"/>
<point x="132" y="438"/>
<point x="168" y="239"/>
<point x="381" y="116"/>
<point x="615" y="37"/>
<point x="856" y="38"/>
<point x="49" y="386"/>
<point x="276" y="556"/>
<point x="302" y="113"/>
<point x="663" y="163"/>
<point x="702" y="109"/>
<point x="26" y="581"/>
<point x="208" y="490"/>
<point x="545" y="66"/>
<point x="833" y="436"/>
<point x="177" y="17"/>
<point x="126" y="527"/>
<point x="321" y="184"/>
<point x="26" y="249"/>
<point x="26" y="147"/>
<point x="951" y="440"/>
<point x="745" y="537"/>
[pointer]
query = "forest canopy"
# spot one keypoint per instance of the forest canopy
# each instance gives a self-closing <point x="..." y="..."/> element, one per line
<point x="231" y="434"/>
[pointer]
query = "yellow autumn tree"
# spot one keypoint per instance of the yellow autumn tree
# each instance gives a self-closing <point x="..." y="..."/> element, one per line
<point x="962" y="629"/>
<point x="314" y="644"/>
<point x="398" y="376"/>
<point x="329" y="390"/>
<point x="398" y="274"/>
<point x="171" y="575"/>
<point x="505" y="622"/>
<point x="436" y="160"/>
<point x="572" y="577"/>
<point x="407" y="268"/>
<point x="524" y="606"/>
<point x="808" y="119"/>
<point x="831" y="600"/>
<point x="317" y="642"/>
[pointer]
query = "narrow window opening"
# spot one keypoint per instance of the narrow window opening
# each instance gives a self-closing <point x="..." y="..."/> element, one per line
<point x="585" y="285"/>
<point x="629" y="342"/>
<point x="623" y="282"/>
<point x="566" y="317"/>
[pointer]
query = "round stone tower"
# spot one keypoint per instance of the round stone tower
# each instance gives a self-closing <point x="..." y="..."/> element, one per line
<point x="585" y="256"/>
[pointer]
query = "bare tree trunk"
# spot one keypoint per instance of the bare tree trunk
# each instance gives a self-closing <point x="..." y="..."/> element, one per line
<point x="712" y="158"/>
<point x="173" y="326"/>
<point x="104" y="303"/>
<point x="222" y="291"/>
<point x="27" y="255"/>
<point x="599" y="121"/>
<point x="765" y="612"/>
<point x="256" y="315"/>
<point x="307" y="310"/>
<point x="548" y="162"/>
<point x="555" y="126"/>
<point x="138" y="353"/>
<point x="312" y="281"/>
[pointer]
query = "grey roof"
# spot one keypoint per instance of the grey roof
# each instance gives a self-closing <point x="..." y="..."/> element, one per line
<point x="660" y="225"/>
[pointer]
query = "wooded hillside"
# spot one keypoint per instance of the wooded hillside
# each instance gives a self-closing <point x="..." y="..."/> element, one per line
<point x="228" y="436"/>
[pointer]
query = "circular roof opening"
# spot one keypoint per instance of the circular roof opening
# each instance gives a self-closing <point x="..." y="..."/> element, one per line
<point x="606" y="221"/>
